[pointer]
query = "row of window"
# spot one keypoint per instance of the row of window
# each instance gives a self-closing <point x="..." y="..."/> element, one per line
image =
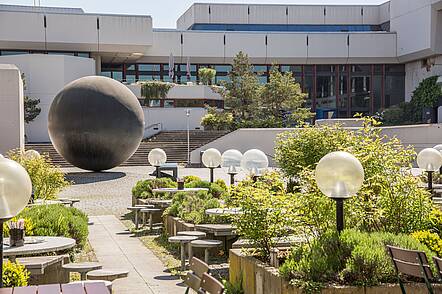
<point x="188" y="103"/>
<point x="285" y="27"/>
<point x="19" y="52"/>
<point x="333" y="90"/>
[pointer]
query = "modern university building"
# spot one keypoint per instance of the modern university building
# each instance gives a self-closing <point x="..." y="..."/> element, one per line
<point x="349" y="59"/>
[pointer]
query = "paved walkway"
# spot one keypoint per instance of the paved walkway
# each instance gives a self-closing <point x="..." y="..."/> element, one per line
<point x="115" y="247"/>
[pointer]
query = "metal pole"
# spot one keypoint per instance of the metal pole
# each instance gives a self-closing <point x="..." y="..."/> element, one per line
<point x="232" y="179"/>
<point x="339" y="214"/>
<point x="188" y="136"/>
<point x="1" y="253"/>
<point x="157" y="171"/>
<point x="211" y="174"/>
<point x="430" y="182"/>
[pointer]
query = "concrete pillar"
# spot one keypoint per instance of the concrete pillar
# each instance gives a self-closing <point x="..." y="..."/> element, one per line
<point x="97" y="59"/>
<point x="12" y="129"/>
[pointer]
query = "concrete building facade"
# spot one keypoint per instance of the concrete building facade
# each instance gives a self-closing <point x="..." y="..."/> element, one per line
<point x="348" y="58"/>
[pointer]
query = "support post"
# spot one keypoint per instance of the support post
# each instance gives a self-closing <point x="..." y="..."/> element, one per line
<point x="157" y="168"/>
<point x="339" y="214"/>
<point x="430" y="182"/>
<point x="211" y="174"/>
<point x="232" y="179"/>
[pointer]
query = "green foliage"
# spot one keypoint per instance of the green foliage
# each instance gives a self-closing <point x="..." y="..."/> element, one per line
<point x="143" y="188"/>
<point x="390" y="199"/>
<point x="429" y="239"/>
<point x="58" y="220"/>
<point x="191" y="178"/>
<point x="282" y="100"/>
<point x="191" y="206"/>
<point x="216" y="190"/>
<point x="14" y="275"/>
<point x="155" y="90"/>
<point x="351" y="258"/>
<point x="206" y="75"/>
<point x="266" y="212"/>
<point x="424" y="96"/>
<point x="435" y="220"/>
<point x="233" y="287"/>
<point x="47" y="180"/>
<point x="31" y="108"/>
<point x="217" y="120"/>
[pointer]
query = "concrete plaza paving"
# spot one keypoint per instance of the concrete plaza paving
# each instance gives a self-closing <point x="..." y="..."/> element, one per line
<point x="109" y="193"/>
<point x="117" y="248"/>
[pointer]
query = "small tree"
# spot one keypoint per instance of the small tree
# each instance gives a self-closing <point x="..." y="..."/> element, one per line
<point x="31" y="108"/>
<point x="282" y="98"/>
<point x="206" y="75"/>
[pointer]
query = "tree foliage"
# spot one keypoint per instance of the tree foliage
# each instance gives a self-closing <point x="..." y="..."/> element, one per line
<point x="31" y="108"/>
<point x="206" y="75"/>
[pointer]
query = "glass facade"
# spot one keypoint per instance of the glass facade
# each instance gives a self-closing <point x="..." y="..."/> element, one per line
<point x="285" y="27"/>
<point x="19" y="52"/>
<point x="334" y="91"/>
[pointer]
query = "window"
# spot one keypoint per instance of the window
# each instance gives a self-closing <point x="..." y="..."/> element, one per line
<point x="286" y="27"/>
<point x="325" y="91"/>
<point x="149" y="67"/>
<point x="169" y="103"/>
<point x="155" y="103"/>
<point x="10" y="52"/>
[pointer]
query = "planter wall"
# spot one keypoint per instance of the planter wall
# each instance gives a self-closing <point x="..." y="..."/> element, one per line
<point x="259" y="278"/>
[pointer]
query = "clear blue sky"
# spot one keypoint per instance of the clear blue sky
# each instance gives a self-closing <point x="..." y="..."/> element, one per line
<point x="164" y="12"/>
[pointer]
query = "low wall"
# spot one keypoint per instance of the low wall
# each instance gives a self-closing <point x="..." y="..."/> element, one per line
<point x="418" y="136"/>
<point x="259" y="278"/>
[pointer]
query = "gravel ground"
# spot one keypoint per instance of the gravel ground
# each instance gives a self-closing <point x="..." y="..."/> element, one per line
<point x="110" y="192"/>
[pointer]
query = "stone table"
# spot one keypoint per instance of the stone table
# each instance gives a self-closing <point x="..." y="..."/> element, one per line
<point x="38" y="245"/>
<point x="183" y="240"/>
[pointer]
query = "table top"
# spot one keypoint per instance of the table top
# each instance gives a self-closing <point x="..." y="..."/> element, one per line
<point x="185" y="239"/>
<point x="223" y="211"/>
<point x="39" y="244"/>
<point x="175" y="190"/>
<point x="217" y="229"/>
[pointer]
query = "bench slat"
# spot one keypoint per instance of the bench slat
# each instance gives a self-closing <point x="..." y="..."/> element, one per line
<point x="25" y="290"/>
<point x="96" y="288"/>
<point x="49" y="289"/>
<point x="72" y="289"/>
<point x="6" y="291"/>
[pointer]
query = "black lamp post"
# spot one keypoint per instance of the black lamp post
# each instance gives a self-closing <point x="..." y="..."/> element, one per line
<point x="156" y="158"/>
<point x="211" y="159"/>
<point x="429" y="160"/>
<point x="339" y="175"/>
<point x="231" y="160"/>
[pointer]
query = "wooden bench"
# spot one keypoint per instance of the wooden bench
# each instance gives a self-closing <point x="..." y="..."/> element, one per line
<point x="88" y="288"/>
<point x="193" y="278"/>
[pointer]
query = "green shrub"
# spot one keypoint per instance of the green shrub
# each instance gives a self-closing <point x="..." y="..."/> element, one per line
<point x="390" y="198"/>
<point x="14" y="275"/>
<point x="188" y="179"/>
<point x="217" y="120"/>
<point x="435" y="221"/>
<point x="429" y="239"/>
<point x="351" y="258"/>
<point x="58" y="220"/>
<point x="206" y="75"/>
<point x="29" y="226"/>
<point x="143" y="188"/>
<point x="425" y="95"/>
<point x="191" y="206"/>
<point x="215" y="190"/>
<point x="47" y="180"/>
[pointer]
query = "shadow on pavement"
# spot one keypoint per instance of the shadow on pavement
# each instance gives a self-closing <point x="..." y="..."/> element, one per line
<point x="78" y="178"/>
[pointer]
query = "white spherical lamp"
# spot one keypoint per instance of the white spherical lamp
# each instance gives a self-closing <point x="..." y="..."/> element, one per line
<point x="430" y="160"/>
<point x="254" y="161"/>
<point x="157" y="157"/>
<point x="438" y="147"/>
<point x="231" y="160"/>
<point x="211" y="159"/>
<point x="1" y="156"/>
<point x="32" y="154"/>
<point x="339" y="175"/>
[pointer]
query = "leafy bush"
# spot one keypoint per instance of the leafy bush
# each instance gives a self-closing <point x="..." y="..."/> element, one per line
<point x="429" y="239"/>
<point x="266" y="212"/>
<point x="14" y="275"/>
<point x="217" y="120"/>
<point x="206" y="75"/>
<point x="155" y="90"/>
<point x="47" y="180"/>
<point x="188" y="179"/>
<point x="191" y="206"/>
<point x="58" y="220"/>
<point x="143" y="188"/>
<point x="29" y="226"/>
<point x="390" y="199"/>
<point x="215" y="190"/>
<point x="351" y="258"/>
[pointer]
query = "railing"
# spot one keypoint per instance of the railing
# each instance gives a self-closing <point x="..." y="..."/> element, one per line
<point x="152" y="130"/>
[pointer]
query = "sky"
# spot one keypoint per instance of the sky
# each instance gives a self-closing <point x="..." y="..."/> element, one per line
<point x="164" y="12"/>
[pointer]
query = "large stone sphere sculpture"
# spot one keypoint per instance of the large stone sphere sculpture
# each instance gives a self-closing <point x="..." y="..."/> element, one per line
<point x="95" y="123"/>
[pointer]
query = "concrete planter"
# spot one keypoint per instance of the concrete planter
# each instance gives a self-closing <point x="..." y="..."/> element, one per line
<point x="174" y="224"/>
<point x="259" y="278"/>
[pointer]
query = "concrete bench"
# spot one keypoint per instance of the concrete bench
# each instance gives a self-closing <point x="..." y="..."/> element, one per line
<point x="197" y="234"/>
<point x="107" y="275"/>
<point x="45" y="269"/>
<point x="82" y="267"/>
<point x="150" y="212"/>
<point x="206" y="244"/>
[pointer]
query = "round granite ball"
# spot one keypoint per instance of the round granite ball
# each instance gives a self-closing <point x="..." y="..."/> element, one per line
<point x="95" y="123"/>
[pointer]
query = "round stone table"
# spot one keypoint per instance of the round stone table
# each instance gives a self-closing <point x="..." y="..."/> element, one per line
<point x="183" y="240"/>
<point x="38" y="245"/>
<point x="223" y="211"/>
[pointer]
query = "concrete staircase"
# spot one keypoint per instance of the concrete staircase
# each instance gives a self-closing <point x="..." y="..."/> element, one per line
<point x="174" y="143"/>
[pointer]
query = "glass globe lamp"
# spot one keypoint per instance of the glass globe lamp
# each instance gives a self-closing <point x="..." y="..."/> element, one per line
<point x="157" y="157"/>
<point x="429" y="160"/>
<point x="439" y="148"/>
<point x="15" y="192"/>
<point x="254" y="161"/>
<point x="339" y="175"/>
<point x="31" y="154"/>
<point x="211" y="159"/>
<point x="231" y="160"/>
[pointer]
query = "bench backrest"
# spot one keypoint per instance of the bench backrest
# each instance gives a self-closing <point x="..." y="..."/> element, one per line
<point x="438" y="262"/>
<point x="211" y="285"/>
<point x="410" y="262"/>
<point x="197" y="269"/>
